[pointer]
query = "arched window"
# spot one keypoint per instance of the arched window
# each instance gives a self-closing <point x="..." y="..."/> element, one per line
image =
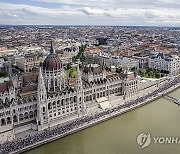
<point x="87" y="98"/>
<point x="1" y="101"/>
<point x="97" y="95"/>
<point x="14" y="118"/>
<point x="90" y="97"/>
<point x="26" y="115"/>
<point x="8" y="120"/>
<point x="75" y="99"/>
<point x="94" y="96"/>
<point x="31" y="114"/>
<point x="67" y="99"/>
<point x="21" y="117"/>
<point x="55" y="82"/>
<point x="52" y="85"/>
<point x="62" y="102"/>
<point x="6" y="100"/>
<point x="49" y="106"/>
<point x="58" y="103"/>
<point x="3" y="122"/>
<point x="35" y="112"/>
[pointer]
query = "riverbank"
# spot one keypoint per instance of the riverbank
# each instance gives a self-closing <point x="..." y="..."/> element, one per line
<point x="98" y="120"/>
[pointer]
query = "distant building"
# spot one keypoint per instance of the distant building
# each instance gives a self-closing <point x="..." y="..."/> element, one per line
<point x="102" y="41"/>
<point x="1" y="66"/>
<point x="28" y="62"/>
<point x="112" y="60"/>
<point x="164" y="62"/>
<point x="7" y="52"/>
<point x="67" y="47"/>
<point x="143" y="60"/>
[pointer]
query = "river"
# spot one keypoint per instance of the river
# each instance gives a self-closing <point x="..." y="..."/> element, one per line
<point x="118" y="135"/>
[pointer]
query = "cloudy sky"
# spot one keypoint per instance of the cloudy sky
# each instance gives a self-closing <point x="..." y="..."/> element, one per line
<point x="91" y="12"/>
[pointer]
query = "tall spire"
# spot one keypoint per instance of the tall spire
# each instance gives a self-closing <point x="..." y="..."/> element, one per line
<point x="41" y="87"/>
<point x="51" y="50"/>
<point x="42" y="110"/>
<point x="79" y="86"/>
<point x="103" y="65"/>
<point x="10" y="69"/>
<point x="64" y="77"/>
<point x="80" y="94"/>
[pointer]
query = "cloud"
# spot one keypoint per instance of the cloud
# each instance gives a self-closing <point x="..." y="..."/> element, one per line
<point x="94" y="11"/>
<point x="150" y="14"/>
<point x="92" y="3"/>
<point x="28" y="11"/>
<point x="113" y="15"/>
<point x="119" y="3"/>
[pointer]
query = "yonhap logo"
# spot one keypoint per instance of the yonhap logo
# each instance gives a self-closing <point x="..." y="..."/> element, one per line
<point x="144" y="140"/>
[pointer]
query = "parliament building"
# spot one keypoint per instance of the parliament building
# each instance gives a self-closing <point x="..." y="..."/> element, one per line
<point x="47" y="97"/>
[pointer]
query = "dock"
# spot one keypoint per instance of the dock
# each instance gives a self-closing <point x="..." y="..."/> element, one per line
<point x="175" y="100"/>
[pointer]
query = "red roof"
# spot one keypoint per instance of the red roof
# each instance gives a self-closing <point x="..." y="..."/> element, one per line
<point x="5" y="86"/>
<point x="52" y="62"/>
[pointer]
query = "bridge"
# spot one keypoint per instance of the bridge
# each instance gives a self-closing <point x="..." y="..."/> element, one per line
<point x="175" y="100"/>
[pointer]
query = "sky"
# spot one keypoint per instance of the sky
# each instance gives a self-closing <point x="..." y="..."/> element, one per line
<point x="91" y="12"/>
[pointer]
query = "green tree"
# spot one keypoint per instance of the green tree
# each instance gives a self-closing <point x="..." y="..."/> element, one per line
<point x="162" y="75"/>
<point x="71" y="72"/>
<point x="157" y="75"/>
<point x="3" y="74"/>
<point x="69" y="66"/>
<point x="41" y="64"/>
<point x="5" y="57"/>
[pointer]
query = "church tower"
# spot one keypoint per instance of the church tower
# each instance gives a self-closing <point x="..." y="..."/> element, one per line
<point x="42" y="114"/>
<point x="104" y="69"/>
<point x="80" y="93"/>
<point x="64" y="81"/>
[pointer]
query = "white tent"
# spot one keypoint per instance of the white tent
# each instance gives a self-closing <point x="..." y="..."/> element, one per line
<point x="103" y="103"/>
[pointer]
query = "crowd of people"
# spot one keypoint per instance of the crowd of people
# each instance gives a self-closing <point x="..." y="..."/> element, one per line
<point x="59" y="130"/>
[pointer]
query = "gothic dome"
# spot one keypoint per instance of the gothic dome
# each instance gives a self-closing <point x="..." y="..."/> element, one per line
<point x="52" y="62"/>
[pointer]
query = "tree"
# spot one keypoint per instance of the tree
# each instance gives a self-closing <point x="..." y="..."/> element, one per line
<point x="3" y="74"/>
<point x="71" y="73"/>
<point x="162" y="75"/>
<point x="5" y="57"/>
<point x="41" y="64"/>
<point x="69" y="66"/>
<point x="157" y="75"/>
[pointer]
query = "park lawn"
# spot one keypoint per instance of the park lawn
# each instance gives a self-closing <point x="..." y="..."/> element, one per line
<point x="150" y="73"/>
<point x="72" y="72"/>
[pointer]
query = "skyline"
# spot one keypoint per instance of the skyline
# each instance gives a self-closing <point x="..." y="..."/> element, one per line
<point x="104" y="12"/>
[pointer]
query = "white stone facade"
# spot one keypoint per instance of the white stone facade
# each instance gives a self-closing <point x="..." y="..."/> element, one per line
<point x="54" y="101"/>
<point x="164" y="63"/>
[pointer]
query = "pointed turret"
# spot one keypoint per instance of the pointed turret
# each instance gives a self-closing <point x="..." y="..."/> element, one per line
<point x="10" y="70"/>
<point x="64" y="77"/>
<point x="104" y="69"/>
<point x="79" y="86"/>
<point x="103" y="65"/>
<point x="42" y="95"/>
<point x="82" y="109"/>
<point x="42" y="114"/>
<point x="51" y="50"/>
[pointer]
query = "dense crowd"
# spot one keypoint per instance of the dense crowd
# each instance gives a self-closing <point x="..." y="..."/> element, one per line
<point x="29" y="140"/>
